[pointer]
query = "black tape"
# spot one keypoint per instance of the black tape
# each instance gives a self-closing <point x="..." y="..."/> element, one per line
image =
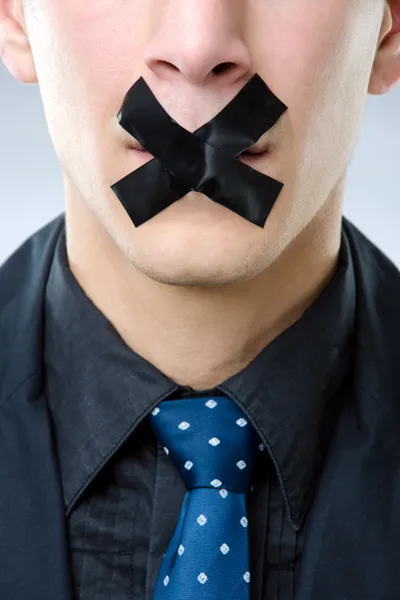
<point x="204" y="161"/>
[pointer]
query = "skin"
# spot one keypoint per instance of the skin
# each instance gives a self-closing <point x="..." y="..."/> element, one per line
<point x="197" y="290"/>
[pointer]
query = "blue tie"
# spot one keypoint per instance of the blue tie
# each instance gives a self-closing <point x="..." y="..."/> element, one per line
<point x="212" y="444"/>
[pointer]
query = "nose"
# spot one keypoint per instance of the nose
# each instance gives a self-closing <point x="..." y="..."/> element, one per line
<point x="199" y="40"/>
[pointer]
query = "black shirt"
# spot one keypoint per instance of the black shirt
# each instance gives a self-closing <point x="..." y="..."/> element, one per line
<point x="122" y="492"/>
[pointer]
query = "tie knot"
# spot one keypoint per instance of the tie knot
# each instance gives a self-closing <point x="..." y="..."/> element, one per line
<point x="210" y="441"/>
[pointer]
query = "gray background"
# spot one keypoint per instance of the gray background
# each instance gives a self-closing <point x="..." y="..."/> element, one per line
<point x="31" y="184"/>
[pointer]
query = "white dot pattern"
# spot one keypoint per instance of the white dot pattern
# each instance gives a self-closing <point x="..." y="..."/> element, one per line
<point x="202" y="577"/>
<point x="184" y="425"/>
<point x="216" y="482"/>
<point x="201" y="519"/>
<point x="214" y="441"/>
<point x="228" y="464"/>
<point x="224" y="548"/>
<point x="211" y="403"/>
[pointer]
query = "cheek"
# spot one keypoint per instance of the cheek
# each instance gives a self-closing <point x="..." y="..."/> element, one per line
<point x="318" y="59"/>
<point x="86" y="53"/>
<point x="104" y="43"/>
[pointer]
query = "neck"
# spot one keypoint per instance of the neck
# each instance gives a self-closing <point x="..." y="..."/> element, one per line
<point x="201" y="336"/>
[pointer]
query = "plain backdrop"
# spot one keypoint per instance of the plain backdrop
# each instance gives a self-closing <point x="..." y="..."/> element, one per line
<point x="31" y="192"/>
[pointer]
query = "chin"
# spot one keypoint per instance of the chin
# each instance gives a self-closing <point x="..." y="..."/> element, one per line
<point x="190" y="260"/>
<point x="181" y="274"/>
<point x="195" y="242"/>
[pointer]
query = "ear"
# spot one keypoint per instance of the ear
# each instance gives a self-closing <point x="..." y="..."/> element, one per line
<point x="386" y="69"/>
<point x="15" y="49"/>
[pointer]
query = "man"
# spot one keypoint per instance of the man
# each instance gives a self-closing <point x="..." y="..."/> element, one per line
<point x="291" y="327"/>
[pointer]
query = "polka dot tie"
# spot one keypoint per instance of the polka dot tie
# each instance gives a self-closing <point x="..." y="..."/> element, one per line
<point x="213" y="445"/>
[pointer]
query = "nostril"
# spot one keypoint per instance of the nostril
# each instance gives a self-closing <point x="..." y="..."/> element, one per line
<point x="223" y="68"/>
<point x="163" y="68"/>
<point x="167" y="65"/>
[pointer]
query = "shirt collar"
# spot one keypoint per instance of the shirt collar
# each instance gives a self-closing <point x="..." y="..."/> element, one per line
<point x="293" y="390"/>
<point x="99" y="390"/>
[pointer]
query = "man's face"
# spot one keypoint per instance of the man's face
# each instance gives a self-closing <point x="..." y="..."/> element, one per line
<point x="195" y="55"/>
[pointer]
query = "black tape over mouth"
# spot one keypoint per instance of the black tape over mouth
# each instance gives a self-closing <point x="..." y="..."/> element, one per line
<point x="204" y="161"/>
